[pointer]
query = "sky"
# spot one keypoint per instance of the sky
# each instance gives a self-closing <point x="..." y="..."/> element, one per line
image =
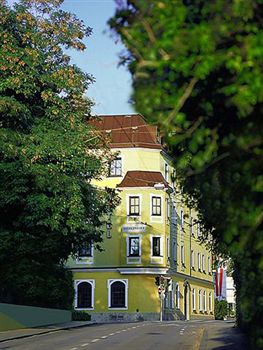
<point x="112" y="89"/>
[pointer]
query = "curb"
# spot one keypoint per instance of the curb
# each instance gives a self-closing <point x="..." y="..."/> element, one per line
<point x="47" y="331"/>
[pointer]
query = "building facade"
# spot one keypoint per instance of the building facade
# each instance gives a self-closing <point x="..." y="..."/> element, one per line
<point x="151" y="249"/>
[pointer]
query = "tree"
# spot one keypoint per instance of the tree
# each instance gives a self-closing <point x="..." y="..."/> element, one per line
<point x="197" y="73"/>
<point x="48" y="154"/>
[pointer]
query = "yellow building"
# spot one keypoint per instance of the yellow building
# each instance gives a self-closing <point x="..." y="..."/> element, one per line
<point x="152" y="238"/>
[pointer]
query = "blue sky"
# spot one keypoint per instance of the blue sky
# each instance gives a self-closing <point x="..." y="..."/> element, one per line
<point x="112" y="89"/>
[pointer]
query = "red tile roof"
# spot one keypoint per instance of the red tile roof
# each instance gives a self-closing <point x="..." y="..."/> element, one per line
<point x="138" y="178"/>
<point x="127" y="131"/>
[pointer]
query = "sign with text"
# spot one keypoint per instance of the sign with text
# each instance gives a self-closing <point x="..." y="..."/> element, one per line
<point x="134" y="228"/>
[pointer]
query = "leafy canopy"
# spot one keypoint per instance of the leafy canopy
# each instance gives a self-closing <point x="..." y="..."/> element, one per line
<point x="48" y="154"/>
<point x="197" y="73"/>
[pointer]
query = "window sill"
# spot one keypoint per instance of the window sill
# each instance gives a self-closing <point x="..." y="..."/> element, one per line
<point x="84" y="308"/>
<point x="118" y="308"/>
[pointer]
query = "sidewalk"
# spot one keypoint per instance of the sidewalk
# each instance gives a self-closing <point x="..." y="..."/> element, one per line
<point x="223" y="335"/>
<point x="29" y="332"/>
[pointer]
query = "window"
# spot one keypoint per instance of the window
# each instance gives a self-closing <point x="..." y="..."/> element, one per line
<point x="182" y="219"/>
<point x="177" y="295"/>
<point x="116" y="167"/>
<point x="204" y="300"/>
<point x="118" y="293"/>
<point x="168" y="209"/>
<point x="168" y="248"/>
<point x="192" y="259"/>
<point x="86" y="250"/>
<point x="156" y="246"/>
<point x="210" y="301"/>
<point x="166" y="171"/>
<point x="191" y="226"/>
<point x="199" y="261"/>
<point x="84" y="294"/>
<point x="209" y="264"/>
<point x="156" y="206"/>
<point x="182" y="256"/>
<point x="134" y="246"/>
<point x="134" y="205"/>
<point x="193" y="299"/>
<point x="203" y="263"/>
<point x="200" y="300"/>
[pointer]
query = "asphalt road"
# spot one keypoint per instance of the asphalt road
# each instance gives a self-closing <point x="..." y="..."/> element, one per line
<point x="134" y="336"/>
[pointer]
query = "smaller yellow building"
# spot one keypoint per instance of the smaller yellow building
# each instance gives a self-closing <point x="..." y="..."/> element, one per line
<point x="151" y="247"/>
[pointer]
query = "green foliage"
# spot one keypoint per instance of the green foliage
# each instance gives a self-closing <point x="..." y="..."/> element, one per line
<point x="48" y="154"/>
<point x="197" y="73"/>
<point x="220" y="309"/>
<point x="80" y="316"/>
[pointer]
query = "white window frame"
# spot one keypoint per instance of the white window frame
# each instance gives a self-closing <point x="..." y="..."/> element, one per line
<point x="182" y="219"/>
<point x="200" y="303"/>
<point x="209" y="264"/>
<point x="192" y="259"/>
<point x="191" y="226"/>
<point x="76" y="283"/>
<point x="199" y="261"/>
<point x="161" y="206"/>
<point x="117" y="158"/>
<point x="210" y="302"/>
<point x="167" y="248"/>
<point x="128" y="245"/>
<point x="204" y="301"/>
<point x="166" y="171"/>
<point x="161" y="246"/>
<point x="109" y="283"/>
<point x="203" y="263"/>
<point x="193" y="299"/>
<point x="80" y="257"/>
<point x="182" y="255"/>
<point x="128" y="205"/>
<point x="157" y="218"/>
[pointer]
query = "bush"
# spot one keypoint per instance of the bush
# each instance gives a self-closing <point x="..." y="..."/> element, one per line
<point x="220" y="309"/>
<point x="80" y="316"/>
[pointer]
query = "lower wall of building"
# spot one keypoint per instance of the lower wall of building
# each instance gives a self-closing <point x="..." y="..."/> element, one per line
<point x="19" y="316"/>
<point x="143" y="302"/>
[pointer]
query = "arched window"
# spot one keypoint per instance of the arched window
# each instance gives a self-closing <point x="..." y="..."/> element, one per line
<point x="118" y="294"/>
<point x="84" y="295"/>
